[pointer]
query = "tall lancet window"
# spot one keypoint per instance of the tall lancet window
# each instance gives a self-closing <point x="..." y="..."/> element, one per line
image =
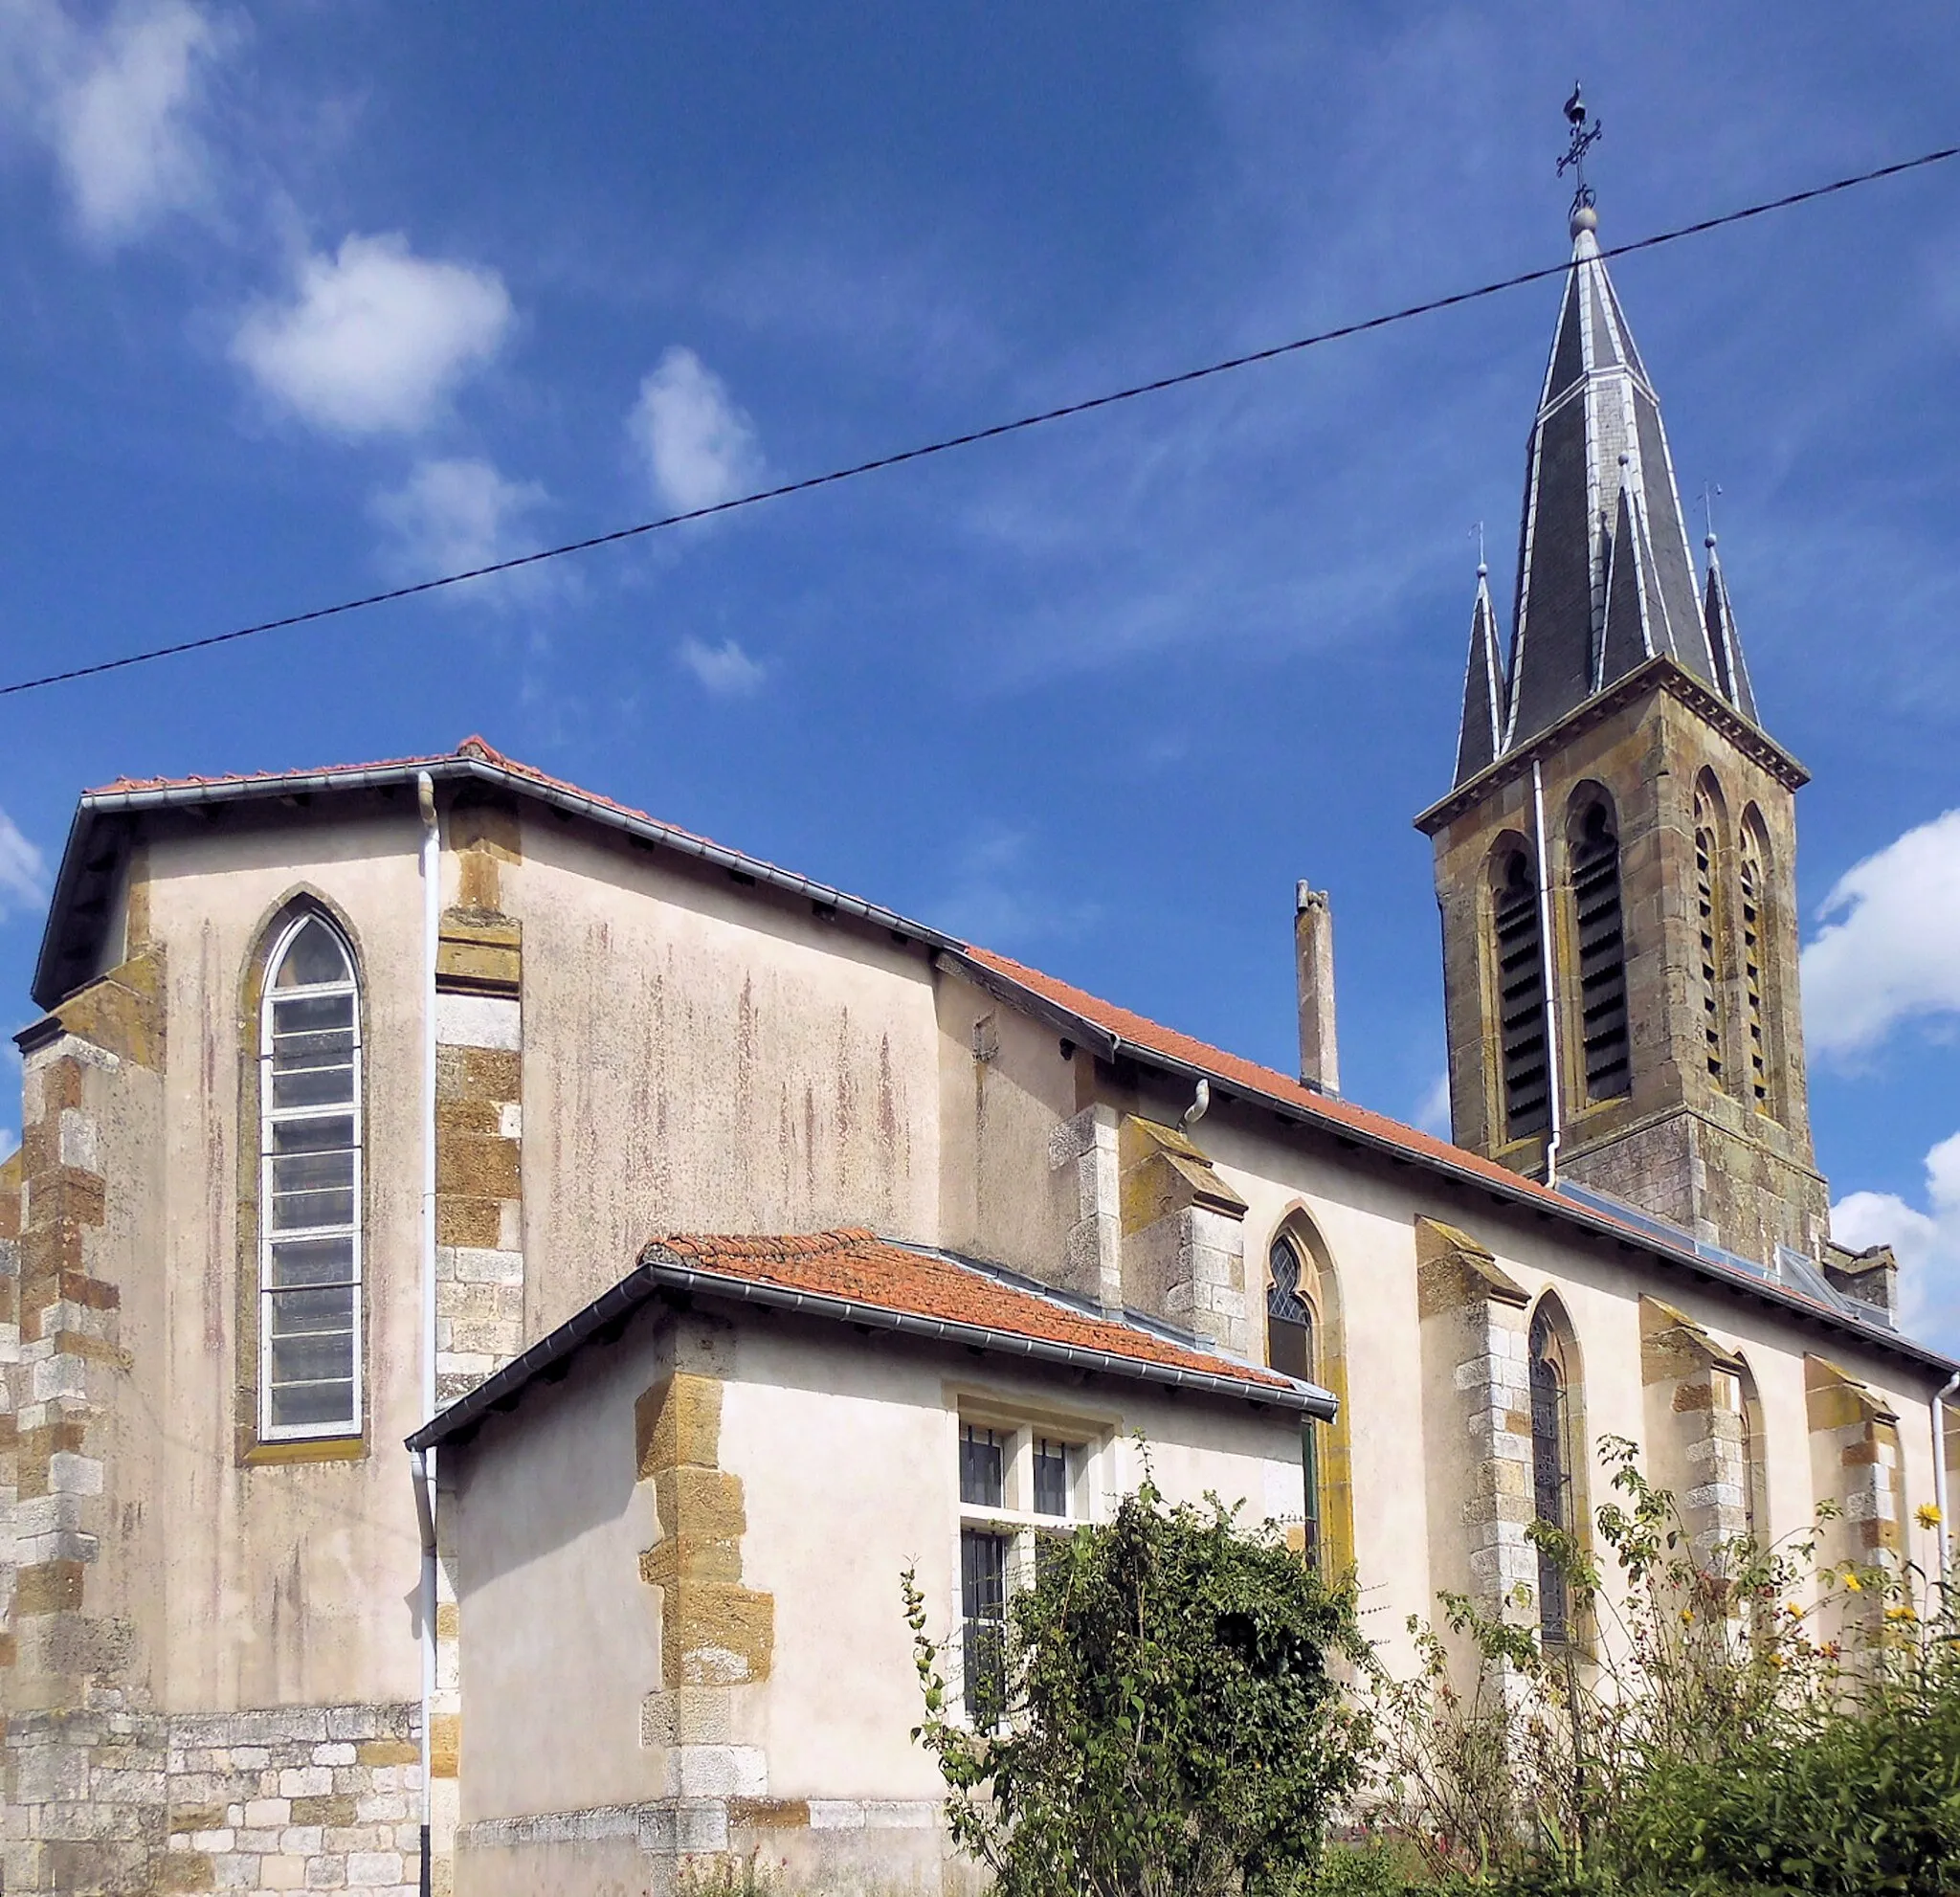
<point x="309" y="1281"/>
<point x="1551" y="1465"/>
<point x="1521" y="995"/>
<point x="1753" y="931"/>
<point x="1602" y="955"/>
<point x="1707" y="885"/>
<point x="1290" y="1343"/>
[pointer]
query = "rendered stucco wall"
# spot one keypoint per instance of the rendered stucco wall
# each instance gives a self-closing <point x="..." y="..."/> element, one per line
<point x="844" y="1450"/>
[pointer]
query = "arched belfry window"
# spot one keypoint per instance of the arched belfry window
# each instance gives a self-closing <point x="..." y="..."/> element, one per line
<point x="1552" y="1487"/>
<point x="1754" y="891"/>
<point x="310" y="1186"/>
<point x="1602" y="953"/>
<point x="1520" y="982"/>
<point x="1709" y="939"/>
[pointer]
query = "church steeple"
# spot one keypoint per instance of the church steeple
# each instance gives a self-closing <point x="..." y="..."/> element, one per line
<point x="1604" y="581"/>
<point x="1616" y="865"/>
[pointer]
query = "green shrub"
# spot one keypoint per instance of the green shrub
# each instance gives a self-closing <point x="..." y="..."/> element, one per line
<point x="1751" y="1723"/>
<point x="1169" y="1726"/>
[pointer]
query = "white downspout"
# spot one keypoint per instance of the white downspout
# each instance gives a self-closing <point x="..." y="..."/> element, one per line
<point x="1554" y="1105"/>
<point x="1940" y="1401"/>
<point x="424" y="1467"/>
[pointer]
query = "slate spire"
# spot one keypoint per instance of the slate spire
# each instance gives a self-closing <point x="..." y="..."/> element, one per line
<point x="1483" y="687"/>
<point x="1718" y="617"/>
<point x="1605" y="580"/>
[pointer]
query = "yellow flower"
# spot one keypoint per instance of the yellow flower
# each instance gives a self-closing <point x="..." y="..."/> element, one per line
<point x="1687" y="1617"/>
<point x="1852" y="1581"/>
<point x="1791" y="1608"/>
<point x="1927" y="1516"/>
<point x="1901" y="1613"/>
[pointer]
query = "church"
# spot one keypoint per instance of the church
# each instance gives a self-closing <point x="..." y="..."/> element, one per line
<point x="498" y="1287"/>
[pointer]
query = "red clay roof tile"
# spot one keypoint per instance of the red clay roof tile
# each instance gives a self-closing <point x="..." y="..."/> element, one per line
<point x="866" y="1269"/>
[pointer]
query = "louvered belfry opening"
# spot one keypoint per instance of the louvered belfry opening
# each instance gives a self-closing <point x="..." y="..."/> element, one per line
<point x="1602" y="957"/>
<point x="1521" y="1000"/>
<point x="1705" y="885"/>
<point x="1751" y="881"/>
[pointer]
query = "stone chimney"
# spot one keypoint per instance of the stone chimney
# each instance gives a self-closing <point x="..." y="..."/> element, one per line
<point x="1313" y="956"/>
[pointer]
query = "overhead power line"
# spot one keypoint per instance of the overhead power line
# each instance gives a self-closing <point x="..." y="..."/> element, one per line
<point x="1087" y="405"/>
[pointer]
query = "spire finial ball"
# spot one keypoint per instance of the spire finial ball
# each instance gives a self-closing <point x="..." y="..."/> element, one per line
<point x="1584" y="218"/>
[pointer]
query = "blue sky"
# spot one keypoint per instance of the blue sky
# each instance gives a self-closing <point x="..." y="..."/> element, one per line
<point x="308" y="299"/>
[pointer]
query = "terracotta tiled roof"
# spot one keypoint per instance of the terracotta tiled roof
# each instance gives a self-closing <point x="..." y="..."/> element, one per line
<point x="1140" y="1031"/>
<point x="865" y="1269"/>
<point x="856" y="1278"/>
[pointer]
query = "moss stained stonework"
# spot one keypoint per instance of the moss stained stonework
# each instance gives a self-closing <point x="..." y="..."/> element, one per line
<point x="1697" y="1428"/>
<point x="1689" y="1145"/>
<point x="716" y="1635"/>
<point x="1475" y="1346"/>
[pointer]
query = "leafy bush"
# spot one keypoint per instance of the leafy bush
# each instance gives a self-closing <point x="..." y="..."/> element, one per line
<point x="1749" y="1722"/>
<point x="1170" y="1724"/>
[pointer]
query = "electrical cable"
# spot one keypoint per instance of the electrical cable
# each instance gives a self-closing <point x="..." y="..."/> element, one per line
<point x="972" y="437"/>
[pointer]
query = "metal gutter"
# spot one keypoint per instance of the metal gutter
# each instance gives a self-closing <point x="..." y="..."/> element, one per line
<point x="98" y="804"/>
<point x="652" y="1277"/>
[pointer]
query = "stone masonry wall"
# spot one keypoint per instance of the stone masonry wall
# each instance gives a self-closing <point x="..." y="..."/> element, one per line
<point x="1476" y="1356"/>
<point x="289" y="1798"/>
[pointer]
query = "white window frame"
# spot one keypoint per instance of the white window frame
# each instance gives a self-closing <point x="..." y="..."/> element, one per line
<point x="1016" y="1517"/>
<point x="336" y="1428"/>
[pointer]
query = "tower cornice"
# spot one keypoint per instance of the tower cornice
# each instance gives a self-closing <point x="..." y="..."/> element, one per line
<point x="1661" y="673"/>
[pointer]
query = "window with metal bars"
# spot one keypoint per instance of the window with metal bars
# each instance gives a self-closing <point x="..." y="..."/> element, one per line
<point x="1602" y="957"/>
<point x="1021" y="1492"/>
<point x="1552" y="1467"/>
<point x="1521" y="1000"/>
<point x="1707" y="912"/>
<point x="1750" y="880"/>
<point x="310" y="1185"/>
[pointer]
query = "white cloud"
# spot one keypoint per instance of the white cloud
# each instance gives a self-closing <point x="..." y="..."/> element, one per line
<point x="454" y="515"/>
<point x="114" y="104"/>
<point x="375" y="339"/>
<point x="698" y="447"/>
<point x="1891" y="953"/>
<point x="23" y="870"/>
<point x="1433" y="1112"/>
<point x="1927" y="1242"/>
<point x="725" y="669"/>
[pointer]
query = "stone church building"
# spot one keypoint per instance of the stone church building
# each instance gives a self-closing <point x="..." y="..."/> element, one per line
<point x="720" y="1244"/>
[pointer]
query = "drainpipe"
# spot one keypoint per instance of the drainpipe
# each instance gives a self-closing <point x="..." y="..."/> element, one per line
<point x="1552" y="1102"/>
<point x="1940" y="1401"/>
<point x="424" y="1467"/>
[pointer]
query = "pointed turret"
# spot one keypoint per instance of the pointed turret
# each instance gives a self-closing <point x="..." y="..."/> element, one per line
<point x="1718" y="617"/>
<point x="1483" y="687"/>
<point x="1602" y="516"/>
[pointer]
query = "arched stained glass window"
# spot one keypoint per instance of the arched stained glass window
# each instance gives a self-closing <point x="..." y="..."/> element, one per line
<point x="1551" y="1465"/>
<point x="1291" y="1346"/>
<point x="310" y="1187"/>
<point x="1289" y="1317"/>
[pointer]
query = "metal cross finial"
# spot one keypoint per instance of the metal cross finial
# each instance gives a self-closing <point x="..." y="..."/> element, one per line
<point x="1477" y="530"/>
<point x="1584" y="138"/>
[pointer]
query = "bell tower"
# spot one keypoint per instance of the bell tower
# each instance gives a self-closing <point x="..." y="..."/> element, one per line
<point x="1615" y="861"/>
